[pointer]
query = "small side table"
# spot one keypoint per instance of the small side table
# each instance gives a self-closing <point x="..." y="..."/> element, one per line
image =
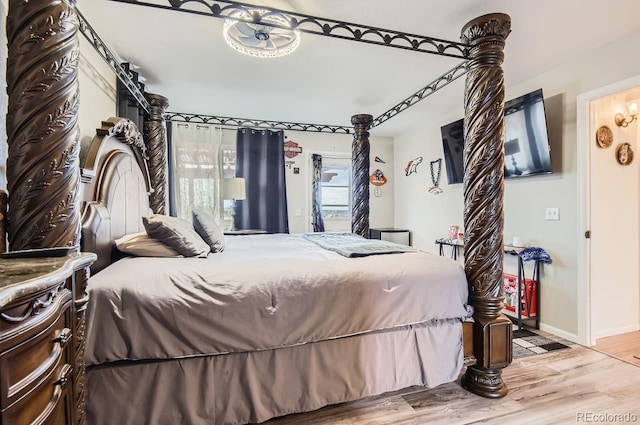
<point x="245" y="232"/>
<point x="455" y="245"/>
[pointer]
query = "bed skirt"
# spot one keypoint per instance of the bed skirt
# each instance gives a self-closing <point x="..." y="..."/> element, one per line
<point x="253" y="387"/>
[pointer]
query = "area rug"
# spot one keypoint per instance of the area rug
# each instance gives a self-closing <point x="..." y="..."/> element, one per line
<point x="527" y="343"/>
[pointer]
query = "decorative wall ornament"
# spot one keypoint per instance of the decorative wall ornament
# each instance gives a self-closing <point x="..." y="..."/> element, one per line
<point x="377" y="178"/>
<point x="378" y="159"/>
<point x="624" y="154"/>
<point x="291" y="149"/>
<point x="435" y="167"/>
<point x="412" y="166"/>
<point x="604" y="136"/>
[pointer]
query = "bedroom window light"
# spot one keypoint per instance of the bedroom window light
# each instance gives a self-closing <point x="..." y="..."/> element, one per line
<point x="196" y="169"/>
<point x="336" y="194"/>
<point x="228" y="172"/>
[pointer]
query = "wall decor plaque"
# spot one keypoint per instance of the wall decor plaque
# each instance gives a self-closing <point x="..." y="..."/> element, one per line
<point x="624" y="153"/>
<point x="604" y="136"/>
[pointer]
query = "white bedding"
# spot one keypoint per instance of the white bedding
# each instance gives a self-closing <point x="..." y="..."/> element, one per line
<point x="262" y="292"/>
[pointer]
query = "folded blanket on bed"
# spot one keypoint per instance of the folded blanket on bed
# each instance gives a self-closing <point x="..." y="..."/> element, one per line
<point x="352" y="245"/>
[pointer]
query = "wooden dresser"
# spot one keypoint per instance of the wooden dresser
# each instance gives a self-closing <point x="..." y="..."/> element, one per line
<point x="42" y="323"/>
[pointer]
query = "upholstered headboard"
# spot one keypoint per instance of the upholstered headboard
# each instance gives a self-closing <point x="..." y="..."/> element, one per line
<point x="115" y="189"/>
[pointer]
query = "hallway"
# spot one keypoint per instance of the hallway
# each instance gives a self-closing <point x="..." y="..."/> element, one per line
<point x="624" y="346"/>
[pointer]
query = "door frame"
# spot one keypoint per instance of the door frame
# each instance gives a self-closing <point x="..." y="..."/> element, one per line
<point x="586" y="128"/>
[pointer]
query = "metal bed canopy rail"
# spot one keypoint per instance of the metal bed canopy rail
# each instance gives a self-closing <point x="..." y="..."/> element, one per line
<point x="443" y="80"/>
<point x="314" y="25"/>
<point x="123" y="74"/>
<point x="126" y="77"/>
<point x="254" y="123"/>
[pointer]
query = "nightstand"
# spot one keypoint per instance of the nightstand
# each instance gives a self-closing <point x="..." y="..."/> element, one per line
<point x="245" y="232"/>
<point x="400" y="236"/>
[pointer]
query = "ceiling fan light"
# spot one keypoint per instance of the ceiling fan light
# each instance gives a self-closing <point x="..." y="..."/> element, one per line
<point x="260" y="44"/>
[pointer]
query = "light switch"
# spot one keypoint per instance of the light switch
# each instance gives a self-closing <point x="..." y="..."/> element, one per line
<point x="298" y="212"/>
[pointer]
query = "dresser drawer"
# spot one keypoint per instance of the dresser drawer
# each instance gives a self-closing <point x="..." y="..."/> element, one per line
<point x="48" y="403"/>
<point x="35" y="360"/>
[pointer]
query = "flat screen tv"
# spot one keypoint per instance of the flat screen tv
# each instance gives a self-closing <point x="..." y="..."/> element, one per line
<point x="526" y="143"/>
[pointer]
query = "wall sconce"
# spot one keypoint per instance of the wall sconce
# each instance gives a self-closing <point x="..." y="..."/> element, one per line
<point x="632" y="107"/>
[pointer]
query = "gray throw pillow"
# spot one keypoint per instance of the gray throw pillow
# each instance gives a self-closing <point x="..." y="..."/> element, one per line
<point x="177" y="233"/>
<point x="142" y="245"/>
<point x="206" y="226"/>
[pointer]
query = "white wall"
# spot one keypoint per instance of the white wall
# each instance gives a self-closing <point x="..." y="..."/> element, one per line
<point x="430" y="216"/>
<point x="97" y="92"/>
<point x="299" y="185"/>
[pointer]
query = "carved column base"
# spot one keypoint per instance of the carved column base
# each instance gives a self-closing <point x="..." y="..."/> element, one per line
<point x="484" y="382"/>
<point x="492" y="346"/>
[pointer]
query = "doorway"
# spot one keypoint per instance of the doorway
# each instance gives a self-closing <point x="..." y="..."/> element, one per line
<point x="609" y="233"/>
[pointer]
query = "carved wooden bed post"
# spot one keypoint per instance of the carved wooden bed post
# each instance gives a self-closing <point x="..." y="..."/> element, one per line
<point x="42" y="131"/>
<point x="360" y="174"/>
<point x="483" y="194"/>
<point x="155" y="137"/>
<point x="3" y="214"/>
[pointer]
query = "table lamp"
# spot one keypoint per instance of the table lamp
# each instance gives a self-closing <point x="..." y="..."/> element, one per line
<point x="234" y="189"/>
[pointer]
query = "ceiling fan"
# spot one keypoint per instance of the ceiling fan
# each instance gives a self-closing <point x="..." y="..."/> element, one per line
<point x="255" y="38"/>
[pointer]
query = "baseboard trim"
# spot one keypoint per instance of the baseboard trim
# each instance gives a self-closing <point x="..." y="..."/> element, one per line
<point x="617" y="331"/>
<point x="562" y="334"/>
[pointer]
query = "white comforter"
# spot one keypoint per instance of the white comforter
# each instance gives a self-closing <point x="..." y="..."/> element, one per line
<point x="262" y="292"/>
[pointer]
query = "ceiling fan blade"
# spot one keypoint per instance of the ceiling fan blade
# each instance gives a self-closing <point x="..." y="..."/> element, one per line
<point x="280" y="39"/>
<point x="249" y="40"/>
<point x="283" y="34"/>
<point x="244" y="28"/>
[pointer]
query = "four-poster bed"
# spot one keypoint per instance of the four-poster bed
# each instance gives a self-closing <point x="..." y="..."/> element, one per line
<point x="43" y="154"/>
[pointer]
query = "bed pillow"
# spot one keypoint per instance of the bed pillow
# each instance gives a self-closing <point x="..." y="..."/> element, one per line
<point x="177" y="233"/>
<point x="209" y="230"/>
<point x="142" y="245"/>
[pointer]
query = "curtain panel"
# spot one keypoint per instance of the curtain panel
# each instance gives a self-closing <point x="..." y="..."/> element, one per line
<point x="316" y="193"/>
<point x="260" y="160"/>
<point x="195" y="171"/>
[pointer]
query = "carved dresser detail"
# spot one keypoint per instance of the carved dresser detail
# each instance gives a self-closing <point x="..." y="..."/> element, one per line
<point x="42" y="322"/>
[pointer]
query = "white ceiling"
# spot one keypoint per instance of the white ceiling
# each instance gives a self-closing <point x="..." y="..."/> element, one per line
<point x="325" y="81"/>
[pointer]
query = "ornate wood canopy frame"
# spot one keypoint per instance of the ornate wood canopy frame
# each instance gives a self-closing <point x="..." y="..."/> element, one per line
<point x="43" y="169"/>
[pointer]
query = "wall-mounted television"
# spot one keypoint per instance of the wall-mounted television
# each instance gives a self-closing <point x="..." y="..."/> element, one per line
<point x="526" y="143"/>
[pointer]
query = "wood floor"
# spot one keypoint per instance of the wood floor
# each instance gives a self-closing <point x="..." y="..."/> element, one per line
<point x="559" y="387"/>
<point x="624" y="346"/>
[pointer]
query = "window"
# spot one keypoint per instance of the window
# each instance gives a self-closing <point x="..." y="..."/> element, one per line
<point x="196" y="169"/>
<point x="336" y="193"/>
